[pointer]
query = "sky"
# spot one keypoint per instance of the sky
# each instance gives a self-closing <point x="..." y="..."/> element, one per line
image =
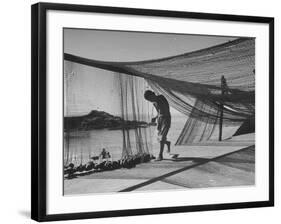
<point x="95" y="88"/>
<point x="133" y="46"/>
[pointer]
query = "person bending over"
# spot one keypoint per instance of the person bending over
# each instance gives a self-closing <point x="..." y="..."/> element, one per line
<point x="163" y="119"/>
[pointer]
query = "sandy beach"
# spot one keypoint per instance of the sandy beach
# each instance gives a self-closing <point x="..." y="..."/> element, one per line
<point x="216" y="164"/>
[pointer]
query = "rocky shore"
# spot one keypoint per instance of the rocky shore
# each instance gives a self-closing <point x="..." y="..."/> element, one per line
<point x="100" y="120"/>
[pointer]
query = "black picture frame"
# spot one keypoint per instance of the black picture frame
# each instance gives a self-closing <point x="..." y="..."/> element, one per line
<point x="38" y="108"/>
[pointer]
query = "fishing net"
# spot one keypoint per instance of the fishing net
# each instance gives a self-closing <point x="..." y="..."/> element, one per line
<point x="192" y="84"/>
<point x="122" y="97"/>
<point x="134" y="108"/>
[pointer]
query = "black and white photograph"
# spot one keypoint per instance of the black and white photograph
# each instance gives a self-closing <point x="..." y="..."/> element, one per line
<point x="151" y="112"/>
<point x="140" y="112"/>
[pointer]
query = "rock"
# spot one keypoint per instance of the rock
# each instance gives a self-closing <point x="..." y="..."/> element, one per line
<point x="100" y="120"/>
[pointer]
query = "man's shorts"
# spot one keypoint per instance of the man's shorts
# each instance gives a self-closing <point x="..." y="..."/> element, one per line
<point x="163" y="126"/>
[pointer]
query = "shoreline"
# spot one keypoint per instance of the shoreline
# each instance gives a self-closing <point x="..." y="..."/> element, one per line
<point x="97" y="120"/>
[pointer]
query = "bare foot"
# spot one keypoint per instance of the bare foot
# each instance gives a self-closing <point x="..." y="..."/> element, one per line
<point x="159" y="158"/>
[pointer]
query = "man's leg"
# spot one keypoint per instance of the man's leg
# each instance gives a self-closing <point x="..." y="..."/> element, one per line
<point x="160" y="156"/>
<point x="163" y="128"/>
<point x="167" y="125"/>
<point x="168" y="143"/>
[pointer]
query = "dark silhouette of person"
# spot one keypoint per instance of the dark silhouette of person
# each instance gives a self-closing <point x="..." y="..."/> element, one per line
<point x="104" y="154"/>
<point x="163" y="119"/>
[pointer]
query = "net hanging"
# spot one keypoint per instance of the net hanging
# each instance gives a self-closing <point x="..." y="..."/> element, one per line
<point x="191" y="83"/>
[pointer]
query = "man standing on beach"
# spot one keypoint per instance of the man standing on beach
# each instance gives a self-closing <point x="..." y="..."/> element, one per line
<point x="163" y="119"/>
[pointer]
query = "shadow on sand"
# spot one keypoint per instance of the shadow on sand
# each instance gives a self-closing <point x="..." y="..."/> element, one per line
<point x="198" y="163"/>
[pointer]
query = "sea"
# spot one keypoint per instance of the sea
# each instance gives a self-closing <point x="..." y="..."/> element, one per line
<point x="80" y="146"/>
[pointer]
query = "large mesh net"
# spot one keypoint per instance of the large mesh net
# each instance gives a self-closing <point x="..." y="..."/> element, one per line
<point x="192" y="84"/>
<point x="133" y="108"/>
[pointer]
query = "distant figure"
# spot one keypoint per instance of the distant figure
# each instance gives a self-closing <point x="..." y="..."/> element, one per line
<point x="224" y="87"/>
<point x="163" y="119"/>
<point x="104" y="155"/>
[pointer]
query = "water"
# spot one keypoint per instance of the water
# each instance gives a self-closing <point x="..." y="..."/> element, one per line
<point x="85" y="144"/>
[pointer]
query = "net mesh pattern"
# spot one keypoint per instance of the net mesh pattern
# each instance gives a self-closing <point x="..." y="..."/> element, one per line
<point x="192" y="84"/>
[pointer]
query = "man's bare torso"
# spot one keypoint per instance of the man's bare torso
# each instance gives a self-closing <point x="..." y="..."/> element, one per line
<point x="162" y="106"/>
